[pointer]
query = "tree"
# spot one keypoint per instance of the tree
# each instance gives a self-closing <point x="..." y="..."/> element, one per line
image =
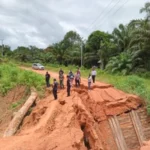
<point x="121" y="63"/>
<point x="141" y="38"/>
<point x="146" y="9"/>
<point x="67" y="51"/>
<point x="107" y="50"/>
<point x="36" y="54"/>
<point x="6" y="51"/>
<point x="58" y="52"/>
<point x="72" y="43"/>
<point x="97" y="48"/>
<point x="122" y="37"/>
<point x="22" y="54"/>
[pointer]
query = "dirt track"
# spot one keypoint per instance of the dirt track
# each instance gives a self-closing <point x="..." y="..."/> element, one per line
<point x="78" y="124"/>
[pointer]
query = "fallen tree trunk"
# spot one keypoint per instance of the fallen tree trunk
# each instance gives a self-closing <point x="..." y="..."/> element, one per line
<point x="16" y="121"/>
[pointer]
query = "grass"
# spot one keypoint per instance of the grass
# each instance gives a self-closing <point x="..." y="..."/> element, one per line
<point x="11" y="76"/>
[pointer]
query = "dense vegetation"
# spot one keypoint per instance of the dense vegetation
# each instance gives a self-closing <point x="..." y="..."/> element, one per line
<point x="11" y="76"/>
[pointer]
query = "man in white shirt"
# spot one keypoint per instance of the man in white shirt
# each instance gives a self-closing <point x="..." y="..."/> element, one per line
<point x="93" y="73"/>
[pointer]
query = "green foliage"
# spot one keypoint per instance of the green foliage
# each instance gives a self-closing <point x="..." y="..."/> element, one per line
<point x="94" y="44"/>
<point x="146" y="9"/>
<point x="107" y="50"/>
<point x="15" y="105"/>
<point x="11" y="76"/>
<point x="131" y="84"/>
<point x="120" y="64"/>
<point x="68" y="50"/>
<point x="122" y="37"/>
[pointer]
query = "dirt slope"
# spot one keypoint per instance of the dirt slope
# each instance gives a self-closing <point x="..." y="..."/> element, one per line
<point x="73" y="125"/>
<point x="6" y="110"/>
<point x="146" y="146"/>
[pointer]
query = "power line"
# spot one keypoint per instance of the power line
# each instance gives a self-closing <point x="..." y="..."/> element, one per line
<point x="120" y="7"/>
<point x="115" y="11"/>
<point x="104" y="17"/>
<point x="101" y="13"/>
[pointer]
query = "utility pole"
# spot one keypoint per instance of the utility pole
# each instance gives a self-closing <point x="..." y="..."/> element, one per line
<point x="2" y="46"/>
<point x="81" y="52"/>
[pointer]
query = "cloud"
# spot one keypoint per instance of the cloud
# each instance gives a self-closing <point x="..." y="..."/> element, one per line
<point x="42" y="23"/>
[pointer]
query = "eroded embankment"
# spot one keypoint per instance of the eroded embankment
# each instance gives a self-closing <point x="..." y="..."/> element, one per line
<point x="80" y="123"/>
<point x="10" y="104"/>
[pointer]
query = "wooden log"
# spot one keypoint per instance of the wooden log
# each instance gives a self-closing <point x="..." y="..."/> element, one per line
<point x="16" y="121"/>
<point x="137" y="126"/>
<point x="120" y="141"/>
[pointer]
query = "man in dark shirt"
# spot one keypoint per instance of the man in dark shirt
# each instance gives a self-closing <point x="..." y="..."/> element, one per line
<point x="61" y="80"/>
<point x="68" y="86"/>
<point x="55" y="85"/>
<point x="47" y="78"/>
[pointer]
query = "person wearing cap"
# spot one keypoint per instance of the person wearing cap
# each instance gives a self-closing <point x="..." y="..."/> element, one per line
<point x="55" y="86"/>
<point x="68" y="85"/>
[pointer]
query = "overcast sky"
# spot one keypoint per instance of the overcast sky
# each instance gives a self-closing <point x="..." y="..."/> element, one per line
<point x="43" y="22"/>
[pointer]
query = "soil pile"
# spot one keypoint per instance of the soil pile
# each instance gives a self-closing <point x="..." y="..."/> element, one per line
<point x="146" y="146"/>
<point x="6" y="103"/>
<point x="71" y="123"/>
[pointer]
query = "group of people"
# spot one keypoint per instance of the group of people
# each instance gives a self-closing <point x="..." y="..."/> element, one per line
<point x="70" y="78"/>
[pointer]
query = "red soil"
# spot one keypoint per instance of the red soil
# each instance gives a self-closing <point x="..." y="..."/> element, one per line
<point x="52" y="125"/>
<point x="146" y="146"/>
<point x="6" y="112"/>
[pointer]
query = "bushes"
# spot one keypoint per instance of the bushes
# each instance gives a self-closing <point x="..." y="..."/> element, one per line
<point x="130" y="84"/>
<point x="11" y="76"/>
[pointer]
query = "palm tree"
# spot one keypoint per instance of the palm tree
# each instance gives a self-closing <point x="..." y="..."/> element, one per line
<point x="146" y="9"/>
<point x="58" y="52"/>
<point x="123" y="63"/>
<point x="107" y="50"/>
<point x="141" y="37"/>
<point x="122" y="37"/>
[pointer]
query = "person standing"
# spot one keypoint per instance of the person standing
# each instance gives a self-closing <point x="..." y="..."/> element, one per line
<point x="61" y="71"/>
<point x="55" y="86"/>
<point x="47" y="78"/>
<point x="71" y="76"/>
<point x="77" y="79"/>
<point x="61" y="80"/>
<point x="93" y="73"/>
<point x="78" y="71"/>
<point x="68" y="85"/>
<point x="89" y="81"/>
